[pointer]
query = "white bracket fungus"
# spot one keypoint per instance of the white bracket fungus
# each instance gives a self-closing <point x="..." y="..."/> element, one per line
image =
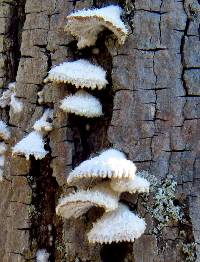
<point x="137" y="184"/>
<point x="87" y="24"/>
<point x="4" y="131"/>
<point x="42" y="255"/>
<point x="42" y="125"/>
<point x="83" y="104"/>
<point x="109" y="164"/>
<point x="9" y="98"/>
<point x="117" y="226"/>
<point x="78" y="203"/>
<point x="80" y="73"/>
<point x="32" y="144"/>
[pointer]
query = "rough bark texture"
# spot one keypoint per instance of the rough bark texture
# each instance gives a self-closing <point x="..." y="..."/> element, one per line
<point x="152" y="114"/>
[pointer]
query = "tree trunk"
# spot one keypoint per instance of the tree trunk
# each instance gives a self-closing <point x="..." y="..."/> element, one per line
<point x="151" y="112"/>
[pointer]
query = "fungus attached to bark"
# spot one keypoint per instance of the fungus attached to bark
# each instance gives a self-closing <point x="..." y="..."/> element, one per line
<point x="78" y="203"/>
<point x="42" y="255"/>
<point x="83" y="104"/>
<point x="137" y="184"/>
<point x="80" y="73"/>
<point x="85" y="25"/>
<point x="42" y="125"/>
<point x="117" y="226"/>
<point x="109" y="164"/>
<point x="9" y="99"/>
<point x="32" y="144"/>
<point x="4" y="131"/>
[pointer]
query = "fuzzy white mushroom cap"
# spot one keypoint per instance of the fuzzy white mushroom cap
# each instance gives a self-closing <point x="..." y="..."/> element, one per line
<point x="87" y="24"/>
<point x="42" y="125"/>
<point x="137" y="184"/>
<point x="42" y="255"/>
<point x="4" y="131"/>
<point x="78" y="203"/>
<point x="83" y="104"/>
<point x="32" y="144"/>
<point x="117" y="226"/>
<point x="80" y="73"/>
<point x="111" y="164"/>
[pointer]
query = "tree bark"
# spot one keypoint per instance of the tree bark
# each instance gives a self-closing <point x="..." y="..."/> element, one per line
<point x="151" y="112"/>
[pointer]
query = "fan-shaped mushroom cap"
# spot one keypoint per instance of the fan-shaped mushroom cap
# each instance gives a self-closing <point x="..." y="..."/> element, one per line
<point x="78" y="203"/>
<point x="32" y="144"/>
<point x="80" y="73"/>
<point x="4" y="131"/>
<point x="87" y="24"/>
<point x="83" y="104"/>
<point x="117" y="226"/>
<point x="137" y="184"/>
<point x="111" y="164"/>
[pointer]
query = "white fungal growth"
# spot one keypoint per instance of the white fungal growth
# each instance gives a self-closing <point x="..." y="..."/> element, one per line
<point x="111" y="164"/>
<point x="32" y="144"/>
<point x="42" y="255"/>
<point x="15" y="104"/>
<point x="6" y="96"/>
<point x="4" y="131"/>
<point x="82" y="104"/>
<point x="1" y="175"/>
<point x="2" y="160"/>
<point x="78" y="203"/>
<point x="80" y="73"/>
<point x="42" y="125"/>
<point x="3" y="148"/>
<point x="117" y="226"/>
<point x="9" y="99"/>
<point x="85" y="25"/>
<point x="137" y="184"/>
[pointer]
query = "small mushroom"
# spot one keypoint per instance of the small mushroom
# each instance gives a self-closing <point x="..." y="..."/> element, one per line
<point x="32" y="144"/>
<point x="137" y="184"/>
<point x="83" y="104"/>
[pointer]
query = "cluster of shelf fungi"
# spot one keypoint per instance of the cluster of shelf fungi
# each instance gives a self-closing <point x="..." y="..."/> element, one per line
<point x="110" y="170"/>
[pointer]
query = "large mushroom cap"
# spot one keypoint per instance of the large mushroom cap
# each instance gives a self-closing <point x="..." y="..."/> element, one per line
<point x="80" y="73"/>
<point x="109" y="164"/>
<point x="78" y="203"/>
<point x="87" y="24"/>
<point x="137" y="184"/>
<point x="83" y="104"/>
<point x="117" y="226"/>
<point x="32" y="144"/>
